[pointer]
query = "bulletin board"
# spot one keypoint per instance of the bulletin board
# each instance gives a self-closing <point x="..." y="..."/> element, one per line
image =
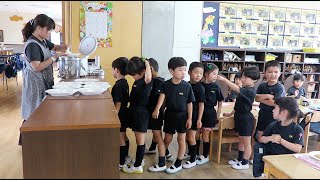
<point x="96" y="20"/>
<point x="209" y="35"/>
<point x="256" y="26"/>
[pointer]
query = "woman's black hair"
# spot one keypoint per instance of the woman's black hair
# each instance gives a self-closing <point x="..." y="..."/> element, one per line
<point x="121" y="64"/>
<point x="209" y="67"/>
<point x="290" y="104"/>
<point x="135" y="66"/>
<point x="41" y="20"/>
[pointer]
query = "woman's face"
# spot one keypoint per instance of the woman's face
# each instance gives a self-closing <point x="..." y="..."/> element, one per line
<point x="43" y="32"/>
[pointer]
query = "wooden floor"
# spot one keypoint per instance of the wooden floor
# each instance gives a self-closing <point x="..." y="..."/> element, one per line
<point x="11" y="156"/>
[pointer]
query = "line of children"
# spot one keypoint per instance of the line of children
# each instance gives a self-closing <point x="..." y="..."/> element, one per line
<point x="178" y="97"/>
<point x="244" y="120"/>
<point x="210" y="116"/>
<point x="140" y="70"/>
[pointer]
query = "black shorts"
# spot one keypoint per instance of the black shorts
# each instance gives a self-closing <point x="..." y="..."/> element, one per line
<point x="122" y="114"/>
<point x="175" y="121"/>
<point x="139" y="119"/>
<point x="244" y="123"/>
<point x="194" y="120"/>
<point x="264" y="119"/>
<point x="209" y="117"/>
<point x="155" y="124"/>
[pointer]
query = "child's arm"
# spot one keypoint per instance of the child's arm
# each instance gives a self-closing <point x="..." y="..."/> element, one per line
<point x="200" y="113"/>
<point x="261" y="97"/>
<point x="219" y="109"/>
<point x="148" y="74"/>
<point x="229" y="114"/>
<point x="230" y="84"/>
<point x="118" y="105"/>
<point x="155" y="113"/>
<point x="268" y="102"/>
<point x="291" y="146"/>
<point x="189" y="120"/>
<point x="275" y="138"/>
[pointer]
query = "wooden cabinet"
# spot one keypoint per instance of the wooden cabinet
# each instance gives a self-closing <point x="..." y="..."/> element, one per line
<point x="305" y="62"/>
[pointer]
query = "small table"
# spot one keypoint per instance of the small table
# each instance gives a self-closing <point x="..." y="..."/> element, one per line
<point x="288" y="167"/>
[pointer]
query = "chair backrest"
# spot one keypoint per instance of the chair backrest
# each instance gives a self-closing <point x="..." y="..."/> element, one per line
<point x="306" y="134"/>
<point x="223" y="86"/>
<point x="226" y="123"/>
<point x="289" y="82"/>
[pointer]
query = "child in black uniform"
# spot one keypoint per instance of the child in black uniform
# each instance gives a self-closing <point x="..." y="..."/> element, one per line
<point x="156" y="124"/>
<point x="244" y="120"/>
<point x="139" y="114"/>
<point x="178" y="114"/>
<point x="214" y="96"/>
<point x="297" y="91"/>
<point x="267" y="92"/>
<point x="283" y="136"/>
<point x="196" y="73"/>
<point x="120" y="96"/>
<point x="233" y="94"/>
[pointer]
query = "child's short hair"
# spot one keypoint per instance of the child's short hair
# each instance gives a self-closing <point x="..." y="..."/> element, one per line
<point x="238" y="75"/>
<point x="175" y="62"/>
<point x="121" y="64"/>
<point x="153" y="63"/>
<point x="194" y="65"/>
<point x="135" y="66"/>
<point x="251" y="72"/>
<point x="290" y="104"/>
<point x="298" y="77"/>
<point x="209" y="67"/>
<point x="272" y="63"/>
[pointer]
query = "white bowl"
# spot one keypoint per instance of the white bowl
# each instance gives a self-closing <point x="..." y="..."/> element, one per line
<point x="91" y="91"/>
<point x="61" y="92"/>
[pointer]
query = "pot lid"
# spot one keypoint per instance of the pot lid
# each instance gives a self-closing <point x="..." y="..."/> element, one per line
<point x="88" y="45"/>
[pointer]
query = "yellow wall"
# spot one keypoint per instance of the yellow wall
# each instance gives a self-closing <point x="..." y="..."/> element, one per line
<point x="126" y="34"/>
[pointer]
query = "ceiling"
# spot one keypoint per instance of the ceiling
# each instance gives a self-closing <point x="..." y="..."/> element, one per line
<point x="51" y="8"/>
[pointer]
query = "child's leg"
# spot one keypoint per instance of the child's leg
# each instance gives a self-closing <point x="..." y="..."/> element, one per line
<point x="127" y="143"/>
<point x="182" y="148"/>
<point x="157" y="134"/>
<point x="198" y="141"/>
<point x="206" y="145"/>
<point x="191" y="138"/>
<point x="167" y="140"/>
<point x="122" y="148"/>
<point x="153" y="145"/>
<point x="246" y="140"/>
<point x="140" y="139"/>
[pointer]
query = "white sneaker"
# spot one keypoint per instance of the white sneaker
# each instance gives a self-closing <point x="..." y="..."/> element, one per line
<point x="186" y="156"/>
<point x="239" y="166"/>
<point x="147" y="151"/>
<point x="202" y="160"/>
<point x="133" y="161"/>
<point x="120" y="166"/>
<point x="172" y="169"/>
<point x="188" y="164"/>
<point x="169" y="158"/>
<point x="156" y="168"/>
<point x="251" y="161"/>
<point x="233" y="161"/>
<point x="132" y="170"/>
<point x="128" y="160"/>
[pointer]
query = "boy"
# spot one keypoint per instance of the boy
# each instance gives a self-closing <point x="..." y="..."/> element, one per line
<point x="156" y="124"/>
<point x="244" y="120"/>
<point x="267" y="92"/>
<point x="297" y="90"/>
<point x="120" y="96"/>
<point x="178" y="114"/>
<point x="233" y="94"/>
<point x="280" y="137"/>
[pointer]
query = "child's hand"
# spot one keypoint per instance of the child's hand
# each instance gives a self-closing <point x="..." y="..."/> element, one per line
<point x="188" y="124"/>
<point x="227" y="114"/>
<point x="269" y="96"/>
<point x="276" y="138"/>
<point x="296" y="93"/>
<point x="155" y="114"/>
<point x="199" y="124"/>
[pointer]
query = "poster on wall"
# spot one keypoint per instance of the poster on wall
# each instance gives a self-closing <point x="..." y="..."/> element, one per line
<point x="292" y="29"/>
<point x="293" y="15"/>
<point x="276" y="28"/>
<point x="275" y="41"/>
<point x="291" y="42"/>
<point x="259" y="41"/>
<point x="261" y="13"/>
<point x="226" y="39"/>
<point x="96" y="20"/>
<point x="210" y="26"/>
<point x="228" y="10"/>
<point x="316" y="43"/>
<point x="259" y="27"/>
<point x="318" y="17"/>
<point x="227" y="25"/>
<point x="305" y="42"/>
<point x="308" y="16"/>
<point x="243" y="41"/>
<point x="277" y="14"/>
<point x="307" y="30"/>
<point x="244" y="11"/>
<point x="243" y="26"/>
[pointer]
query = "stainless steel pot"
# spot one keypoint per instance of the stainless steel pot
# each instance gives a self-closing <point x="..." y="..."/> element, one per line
<point x="69" y="67"/>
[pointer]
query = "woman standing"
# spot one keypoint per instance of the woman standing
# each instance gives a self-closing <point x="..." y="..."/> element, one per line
<point x="38" y="74"/>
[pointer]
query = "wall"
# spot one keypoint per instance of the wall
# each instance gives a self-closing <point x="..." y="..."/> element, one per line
<point x="12" y="29"/>
<point x="126" y="34"/>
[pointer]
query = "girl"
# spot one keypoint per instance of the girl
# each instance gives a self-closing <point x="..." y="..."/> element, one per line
<point x="140" y="70"/>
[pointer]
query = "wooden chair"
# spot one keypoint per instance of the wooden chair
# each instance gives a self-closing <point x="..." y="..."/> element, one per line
<point x="225" y="133"/>
<point x="306" y="134"/>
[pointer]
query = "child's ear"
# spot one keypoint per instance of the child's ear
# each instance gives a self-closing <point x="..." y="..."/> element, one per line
<point x="171" y="71"/>
<point x="151" y="68"/>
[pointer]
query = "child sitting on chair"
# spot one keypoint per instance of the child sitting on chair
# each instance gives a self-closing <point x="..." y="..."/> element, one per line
<point x="297" y="91"/>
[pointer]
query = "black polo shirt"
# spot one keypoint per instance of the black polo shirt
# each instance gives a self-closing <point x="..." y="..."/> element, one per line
<point x="120" y="92"/>
<point x="155" y="92"/>
<point x="245" y="99"/>
<point x="292" y="89"/>
<point x="33" y="50"/>
<point x="140" y="92"/>
<point x="276" y="90"/>
<point x="292" y="133"/>
<point x="213" y="94"/>
<point x="199" y="94"/>
<point x="177" y="95"/>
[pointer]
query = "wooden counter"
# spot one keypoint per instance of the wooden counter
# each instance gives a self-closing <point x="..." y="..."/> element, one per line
<point x="74" y="137"/>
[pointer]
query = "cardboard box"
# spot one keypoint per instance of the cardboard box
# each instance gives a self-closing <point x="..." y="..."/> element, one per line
<point x="311" y="87"/>
<point x="296" y="58"/>
<point x="288" y="58"/>
<point x="311" y="77"/>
